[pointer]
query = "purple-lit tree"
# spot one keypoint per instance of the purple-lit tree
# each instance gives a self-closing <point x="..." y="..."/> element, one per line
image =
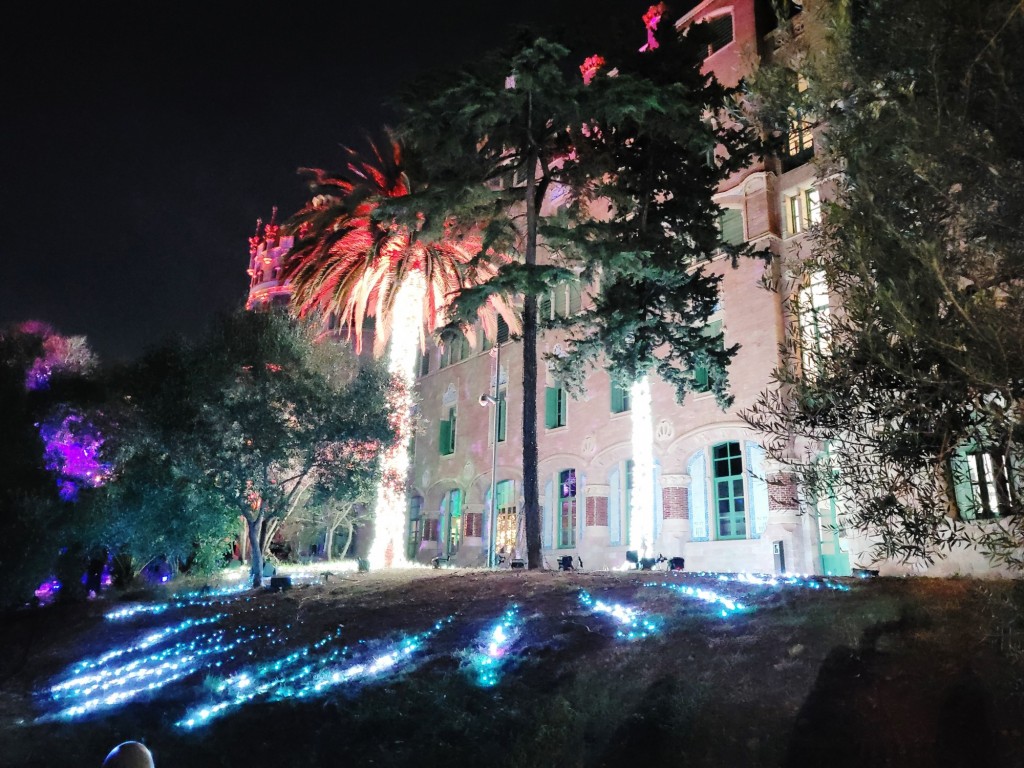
<point x="39" y="371"/>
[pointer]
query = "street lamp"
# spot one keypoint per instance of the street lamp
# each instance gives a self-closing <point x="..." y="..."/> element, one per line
<point x="485" y="400"/>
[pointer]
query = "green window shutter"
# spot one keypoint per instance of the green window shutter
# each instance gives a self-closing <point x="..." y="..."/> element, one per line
<point x="731" y="224"/>
<point x="702" y="374"/>
<point x="575" y="298"/>
<point x="545" y="307"/>
<point x="444" y="441"/>
<point x="961" y="475"/>
<point x="550" y="407"/>
<point x="618" y="398"/>
<point x="424" y="364"/>
<point x="502" y="416"/>
<point x="451" y="436"/>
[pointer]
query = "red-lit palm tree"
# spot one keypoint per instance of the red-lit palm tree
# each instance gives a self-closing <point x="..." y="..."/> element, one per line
<point x="353" y="262"/>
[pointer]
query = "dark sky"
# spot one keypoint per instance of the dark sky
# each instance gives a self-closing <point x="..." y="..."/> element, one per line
<point x="140" y="142"/>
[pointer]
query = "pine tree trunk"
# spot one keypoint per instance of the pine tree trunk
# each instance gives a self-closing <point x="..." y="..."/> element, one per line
<point x="531" y="496"/>
<point x="256" y="569"/>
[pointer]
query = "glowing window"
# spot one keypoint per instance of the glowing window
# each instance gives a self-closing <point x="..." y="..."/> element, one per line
<point x="567" y="508"/>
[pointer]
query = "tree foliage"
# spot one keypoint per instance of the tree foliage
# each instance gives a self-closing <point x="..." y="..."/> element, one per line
<point x="495" y="143"/>
<point x="42" y="374"/>
<point x="249" y="422"/>
<point x="659" y="139"/>
<point x="921" y="103"/>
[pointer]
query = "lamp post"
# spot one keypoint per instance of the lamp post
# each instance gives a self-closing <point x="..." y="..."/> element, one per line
<point x="487" y="399"/>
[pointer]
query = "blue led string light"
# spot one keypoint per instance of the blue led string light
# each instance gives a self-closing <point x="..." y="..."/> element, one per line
<point x="633" y="625"/>
<point x="97" y="685"/>
<point x="311" y="671"/>
<point x="489" y="654"/>
<point x="203" y="598"/>
<point x="783" y="580"/>
<point x="725" y="605"/>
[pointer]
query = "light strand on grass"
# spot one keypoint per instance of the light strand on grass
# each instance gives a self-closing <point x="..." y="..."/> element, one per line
<point x="104" y="686"/>
<point x="308" y="672"/>
<point x="725" y="605"/>
<point x="633" y="625"/>
<point x="198" y="599"/>
<point x="489" y="655"/>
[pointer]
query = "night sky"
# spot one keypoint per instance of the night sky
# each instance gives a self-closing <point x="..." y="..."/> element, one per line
<point x="141" y="142"/>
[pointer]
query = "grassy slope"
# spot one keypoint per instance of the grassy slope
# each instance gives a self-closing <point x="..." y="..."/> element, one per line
<point x="914" y="672"/>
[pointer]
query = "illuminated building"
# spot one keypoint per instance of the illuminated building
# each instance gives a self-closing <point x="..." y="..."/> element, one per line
<point x="715" y="500"/>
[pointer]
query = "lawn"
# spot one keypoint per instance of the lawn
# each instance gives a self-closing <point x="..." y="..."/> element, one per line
<point x="468" y="667"/>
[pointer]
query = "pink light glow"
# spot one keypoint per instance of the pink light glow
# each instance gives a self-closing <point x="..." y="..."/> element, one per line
<point x="72" y="452"/>
<point x="590" y="67"/>
<point x="651" y="20"/>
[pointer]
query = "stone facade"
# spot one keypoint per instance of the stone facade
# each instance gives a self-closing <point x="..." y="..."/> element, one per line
<point x="706" y="460"/>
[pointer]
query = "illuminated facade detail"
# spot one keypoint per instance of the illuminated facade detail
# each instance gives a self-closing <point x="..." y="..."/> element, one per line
<point x="641" y="506"/>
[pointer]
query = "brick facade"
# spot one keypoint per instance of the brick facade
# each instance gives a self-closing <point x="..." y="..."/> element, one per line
<point x="675" y="503"/>
<point x="782" y="492"/>
<point x="474" y="524"/>
<point x="597" y="510"/>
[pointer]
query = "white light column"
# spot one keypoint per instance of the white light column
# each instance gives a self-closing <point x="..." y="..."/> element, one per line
<point x="641" y="513"/>
<point x="390" y="510"/>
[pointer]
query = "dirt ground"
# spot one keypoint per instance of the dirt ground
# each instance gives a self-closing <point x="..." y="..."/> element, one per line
<point x="908" y="672"/>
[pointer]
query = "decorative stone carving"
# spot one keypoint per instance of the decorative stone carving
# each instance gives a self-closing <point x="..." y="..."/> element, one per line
<point x="664" y="431"/>
<point x="589" y="445"/>
<point x="450" y="396"/>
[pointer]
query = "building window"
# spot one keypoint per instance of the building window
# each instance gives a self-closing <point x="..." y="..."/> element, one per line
<point x="730" y="507"/>
<point x="502" y="334"/>
<point x="506" y="524"/>
<point x="424" y="363"/>
<point x="812" y="316"/>
<point x="555" y="407"/>
<point x="718" y="32"/>
<point x="802" y="210"/>
<point x="454" y="350"/>
<point x="983" y="484"/>
<point x="620" y="398"/>
<point x="562" y="301"/>
<point x="415" y="526"/>
<point x="451" y="511"/>
<point x="501" y="416"/>
<point x="800" y="136"/>
<point x="446" y="440"/>
<point x="567" y="508"/>
<point x="730" y="224"/>
<point x="703" y="379"/>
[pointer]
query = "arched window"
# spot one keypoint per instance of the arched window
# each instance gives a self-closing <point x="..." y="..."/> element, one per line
<point x="728" y="488"/>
